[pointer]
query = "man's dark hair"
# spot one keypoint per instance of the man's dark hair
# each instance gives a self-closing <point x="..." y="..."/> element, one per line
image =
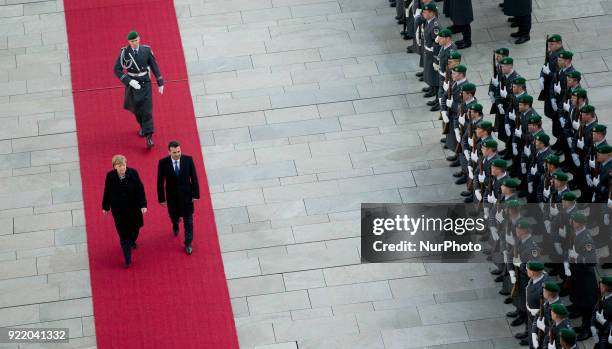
<point x="173" y="144"/>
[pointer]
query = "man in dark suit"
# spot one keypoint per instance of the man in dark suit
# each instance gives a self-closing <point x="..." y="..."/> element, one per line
<point x="177" y="188"/>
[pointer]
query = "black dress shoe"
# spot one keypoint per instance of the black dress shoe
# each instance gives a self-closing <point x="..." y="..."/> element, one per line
<point x="499" y="278"/>
<point x="430" y="94"/>
<point x="408" y="37"/>
<point x="466" y="193"/>
<point x="140" y="134"/>
<point x="435" y="108"/>
<point x="403" y="32"/>
<point x="584" y="336"/>
<point x="523" y="342"/>
<point x="606" y="266"/>
<point x="426" y="89"/>
<point x="516" y="35"/>
<point x="514" y="25"/>
<point x="451" y="157"/>
<point x="521" y="335"/>
<point x="150" y="143"/>
<point x="508" y="300"/>
<point x="522" y="40"/>
<point x="455" y="163"/>
<point x="496" y="272"/>
<point x="443" y="140"/>
<point x="392" y="4"/>
<point x="511" y="19"/>
<point x="188" y="250"/>
<point x="458" y="174"/>
<point x="512" y="314"/>
<point x="463" y="45"/>
<point x="505" y="293"/>
<point x="419" y="74"/>
<point x="410" y="49"/>
<point x="126" y="264"/>
<point x="461" y="180"/>
<point x="432" y="103"/>
<point x="421" y="79"/>
<point x="401" y="21"/>
<point x="134" y="246"/>
<point x="518" y="321"/>
<point x="398" y="17"/>
<point x="468" y="200"/>
<point x="175" y="230"/>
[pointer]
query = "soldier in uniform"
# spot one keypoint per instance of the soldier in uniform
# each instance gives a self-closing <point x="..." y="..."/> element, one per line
<point x="452" y="109"/>
<point x="445" y="40"/>
<point x="521" y="10"/>
<point x="569" y="116"/>
<point x="602" y="194"/>
<point x="133" y="68"/>
<point x="560" y="229"/>
<point x="432" y="28"/>
<point x="559" y="323"/>
<point x="454" y="59"/>
<point x="461" y="13"/>
<point x="567" y="339"/>
<point x="536" y="164"/>
<point x="580" y="147"/>
<point x="598" y="136"/>
<point x="472" y="141"/>
<point x="468" y="90"/>
<point x="555" y="46"/>
<point x="550" y="297"/>
<point x="518" y="124"/>
<point x="533" y="295"/>
<point x="601" y="321"/>
<point x="506" y="221"/>
<point x="505" y="88"/>
<point x="558" y="88"/>
<point x="499" y="54"/>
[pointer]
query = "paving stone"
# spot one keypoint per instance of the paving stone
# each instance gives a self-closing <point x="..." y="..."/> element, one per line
<point x="284" y="58"/>
<point x="43" y="222"/>
<point x="336" y="109"/>
<point x="231" y="121"/>
<point x="19" y="315"/>
<point x="341" y="146"/>
<point x="354" y="308"/>
<point x="291" y="114"/>
<point x="255" y="334"/>
<point x="288" y="345"/>
<point x="307" y="261"/>
<point x="66" y="309"/>
<point x="299" y="191"/>
<point x="62" y="263"/>
<point x="241" y="268"/>
<point x="28" y="295"/>
<point x="371" y="272"/>
<point x="351" y="201"/>
<point x="323" y="164"/>
<point x="256" y="286"/>
<point x="461" y="311"/>
<point x="348" y="294"/>
<point x="488" y="329"/>
<point x="237" y="198"/>
<point x="251" y="173"/>
<point x="312" y="328"/>
<point x="415" y="337"/>
<point x="230" y="158"/>
<point x="282" y="153"/>
<point x="256" y="239"/>
<point x="277" y="302"/>
<point x="297" y="128"/>
<point x="282" y="210"/>
<point x="372" y="340"/>
<point x="26" y="241"/>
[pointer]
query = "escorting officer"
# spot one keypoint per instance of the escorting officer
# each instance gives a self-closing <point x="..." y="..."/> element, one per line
<point x="461" y="13"/>
<point x="555" y="46"/>
<point x="431" y="49"/>
<point x="445" y="40"/>
<point x="133" y="68"/>
<point x="601" y="320"/>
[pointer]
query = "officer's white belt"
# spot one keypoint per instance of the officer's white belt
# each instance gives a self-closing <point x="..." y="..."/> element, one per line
<point x="430" y="49"/>
<point x="138" y="74"/>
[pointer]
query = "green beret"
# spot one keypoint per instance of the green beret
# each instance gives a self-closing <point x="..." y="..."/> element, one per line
<point x="566" y="55"/>
<point x="507" y="60"/>
<point x="430" y="7"/>
<point x="606" y="280"/>
<point x="519" y="81"/>
<point x="513" y="203"/>
<point x="454" y="55"/>
<point x="535" y="266"/>
<point x="560" y="175"/>
<point x="553" y="159"/>
<point x="525" y="99"/>
<point x="476" y="107"/>
<point x="579" y="92"/>
<point x="132" y="35"/>
<point x="460" y="68"/>
<point x="568" y="335"/>
<point x="544" y="138"/>
<point x="574" y="74"/>
<point x="555" y="38"/>
<point x="568" y="196"/>
<point x="468" y="87"/>
<point x="559" y="308"/>
<point x="552" y="287"/>
<point x="523" y="223"/>
<point x="511" y="183"/>
<point x="485" y="125"/>
<point x="502" y="51"/>
<point x="534" y="119"/>
<point x="604" y="149"/>
<point x="579" y="217"/>
<point x="501" y="163"/>
<point x="490" y="143"/>
<point x="445" y="33"/>
<point x="587" y="108"/>
<point x="599" y="128"/>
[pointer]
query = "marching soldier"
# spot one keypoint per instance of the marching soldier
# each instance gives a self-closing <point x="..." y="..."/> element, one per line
<point x="499" y="54"/>
<point x="530" y="151"/>
<point x="533" y="294"/>
<point x="552" y="164"/>
<point x="445" y="40"/>
<point x="133" y="68"/>
<point x="453" y="110"/>
<point x="601" y="321"/>
<point x="432" y="28"/>
<point x="549" y="70"/>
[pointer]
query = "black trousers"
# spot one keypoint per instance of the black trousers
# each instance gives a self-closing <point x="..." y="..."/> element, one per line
<point x="145" y="120"/>
<point x="126" y="247"/>
<point x="466" y="32"/>
<point x="187" y="224"/>
<point x="524" y="24"/>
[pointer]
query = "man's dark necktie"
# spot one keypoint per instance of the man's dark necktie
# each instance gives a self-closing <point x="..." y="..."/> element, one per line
<point x="176" y="168"/>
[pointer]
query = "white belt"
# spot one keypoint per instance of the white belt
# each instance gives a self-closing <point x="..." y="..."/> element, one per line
<point x="138" y="74"/>
<point x="430" y="49"/>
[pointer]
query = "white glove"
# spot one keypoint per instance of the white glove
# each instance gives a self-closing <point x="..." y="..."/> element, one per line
<point x="552" y="345"/>
<point x="594" y="331"/>
<point x="510" y="239"/>
<point x="512" y="115"/>
<point x="436" y="67"/>
<point x="545" y="69"/>
<point x="500" y="108"/>
<point x="161" y="90"/>
<point x="600" y="317"/>
<point x="514" y="149"/>
<point x="609" y="203"/>
<point x="471" y="143"/>
<point x="527" y="151"/>
<point x="462" y="120"/>
<point x="576" y="124"/>
<point x="523" y="168"/>
<point x="491" y="199"/>
<point x="445" y="86"/>
<point x="589" y="181"/>
<point x="492" y="97"/>
<point x="540" y="324"/>
<point x="566" y="106"/>
<point x="596" y="181"/>
<point x="512" y="276"/>
<point x="494" y="233"/>
<point x="478" y="193"/>
<point x="534" y="170"/>
<point x="518" y="132"/>
<point x="457" y="135"/>
<point x="562" y="232"/>
<point x="558" y="248"/>
<point x="516" y="261"/>
<point x="135" y="84"/>
<point x="566" y="268"/>
<point x="546" y="192"/>
<point x="505" y="253"/>
<point x="418" y="12"/>
<point x="562" y="122"/>
<point x="481" y="177"/>
<point x="508" y="130"/>
<point x="499" y="216"/>
<point x="547" y="226"/>
<point x="495" y="81"/>
<point x="553" y="103"/>
<point x="486" y="212"/>
<point x="541" y="84"/>
<point x="592" y="163"/>
<point x="474" y="156"/>
<point x="530" y="187"/>
<point x="607" y="219"/>
<point x="557" y="88"/>
<point x="576" y="159"/>
<point x="470" y="172"/>
<point x="503" y="92"/>
<point x="610" y="338"/>
<point x="466" y="154"/>
<point x="533" y="312"/>
<point x="572" y="253"/>
<point x="449" y="102"/>
<point x="554" y="211"/>
<point x="445" y="117"/>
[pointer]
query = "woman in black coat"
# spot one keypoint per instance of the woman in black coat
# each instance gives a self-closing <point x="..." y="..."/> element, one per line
<point x="124" y="196"/>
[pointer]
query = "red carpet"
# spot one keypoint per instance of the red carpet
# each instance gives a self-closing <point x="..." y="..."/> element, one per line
<point x="166" y="299"/>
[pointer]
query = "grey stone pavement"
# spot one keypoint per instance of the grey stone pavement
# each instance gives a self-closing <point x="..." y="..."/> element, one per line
<point x="305" y="108"/>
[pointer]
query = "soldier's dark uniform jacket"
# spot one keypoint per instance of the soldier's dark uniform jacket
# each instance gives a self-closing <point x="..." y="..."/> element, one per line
<point x="453" y="111"/>
<point x="533" y="295"/>
<point x="527" y="250"/>
<point x="486" y="166"/>
<point x="584" y="293"/>
<point x="443" y="62"/>
<point x="602" y="189"/>
<point x="552" y="65"/>
<point x="565" y="323"/>
<point x="604" y="306"/>
<point x="431" y="49"/>
<point x="547" y="306"/>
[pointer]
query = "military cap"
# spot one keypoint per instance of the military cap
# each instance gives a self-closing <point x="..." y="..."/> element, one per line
<point x="555" y="38"/>
<point x="566" y="55"/>
<point x="476" y="107"/>
<point x="523" y="223"/>
<point x="535" y="265"/>
<point x="430" y="7"/>
<point x="606" y="280"/>
<point x="560" y="175"/>
<point x="559" y="309"/>
<point x="132" y="35"/>
<point x="579" y="217"/>
<point x="511" y="183"/>
<point x="519" y="81"/>
<point x="445" y="33"/>
<point x="574" y="74"/>
<point x="553" y="159"/>
<point x="454" y="55"/>
<point x="579" y="92"/>
<point x="507" y="60"/>
<point x="599" y="128"/>
<point x="468" y="87"/>
<point x="513" y="203"/>
<point x="568" y="196"/>
<point x="544" y="138"/>
<point x="485" y="125"/>
<point x="490" y="143"/>
<point x="587" y="108"/>
<point x="604" y="149"/>
<point x="501" y="163"/>
<point x="525" y="99"/>
<point x="502" y="51"/>
<point x="568" y="335"/>
<point x="460" y="68"/>
<point x="534" y="119"/>
<point x="552" y="287"/>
